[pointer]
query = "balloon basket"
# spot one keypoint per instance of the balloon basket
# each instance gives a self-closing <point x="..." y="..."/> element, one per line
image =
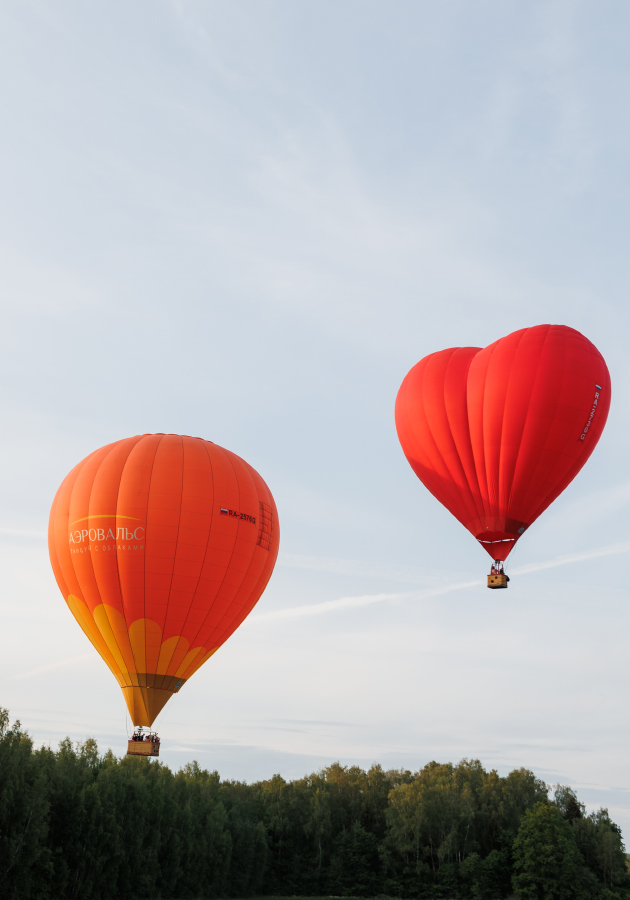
<point x="497" y="581"/>
<point x="143" y="744"/>
<point x="144" y="748"/>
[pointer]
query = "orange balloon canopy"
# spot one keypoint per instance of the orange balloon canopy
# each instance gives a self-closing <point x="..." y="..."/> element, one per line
<point x="497" y="434"/>
<point x="161" y="545"/>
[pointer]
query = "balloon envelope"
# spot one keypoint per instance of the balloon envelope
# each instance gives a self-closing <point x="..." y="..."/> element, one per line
<point x="497" y="434"/>
<point x="161" y="545"/>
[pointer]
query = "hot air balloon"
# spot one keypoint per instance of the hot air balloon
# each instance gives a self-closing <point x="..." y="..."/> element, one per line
<point x="496" y="434"/>
<point x="161" y="545"/>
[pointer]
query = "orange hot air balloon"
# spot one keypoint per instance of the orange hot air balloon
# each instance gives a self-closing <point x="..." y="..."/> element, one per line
<point x="497" y="434"/>
<point x="161" y="545"/>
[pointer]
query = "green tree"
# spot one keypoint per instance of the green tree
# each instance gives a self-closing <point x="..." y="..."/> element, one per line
<point x="445" y="813"/>
<point x="201" y="828"/>
<point x="249" y="849"/>
<point x="77" y="824"/>
<point x="355" y="864"/>
<point x="567" y="802"/>
<point x="318" y="825"/>
<point x="599" y="841"/>
<point x="25" y="861"/>
<point x="547" y="862"/>
<point x="489" y="878"/>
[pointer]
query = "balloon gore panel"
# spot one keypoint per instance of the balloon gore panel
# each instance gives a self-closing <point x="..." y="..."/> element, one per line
<point x="497" y="434"/>
<point x="161" y="545"/>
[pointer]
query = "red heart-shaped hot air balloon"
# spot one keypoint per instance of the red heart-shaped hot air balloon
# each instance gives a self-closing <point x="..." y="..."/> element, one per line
<point x="497" y="434"/>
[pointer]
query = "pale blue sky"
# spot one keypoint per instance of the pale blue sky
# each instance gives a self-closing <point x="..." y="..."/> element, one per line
<point x="246" y="221"/>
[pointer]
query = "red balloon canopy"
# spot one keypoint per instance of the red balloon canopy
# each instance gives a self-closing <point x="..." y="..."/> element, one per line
<point x="497" y="434"/>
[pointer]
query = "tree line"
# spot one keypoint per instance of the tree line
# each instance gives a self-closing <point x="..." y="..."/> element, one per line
<point x="78" y="824"/>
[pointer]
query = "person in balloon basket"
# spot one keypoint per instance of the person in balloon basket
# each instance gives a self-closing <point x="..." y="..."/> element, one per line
<point x="151" y="737"/>
<point x="497" y="569"/>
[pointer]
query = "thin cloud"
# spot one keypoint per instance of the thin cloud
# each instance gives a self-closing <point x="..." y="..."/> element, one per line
<point x="316" y="609"/>
<point x="567" y="559"/>
<point x="51" y="667"/>
<point x="21" y="532"/>
<point x="351" y="567"/>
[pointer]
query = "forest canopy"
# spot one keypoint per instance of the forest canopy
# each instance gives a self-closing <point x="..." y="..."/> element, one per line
<point x="75" y="823"/>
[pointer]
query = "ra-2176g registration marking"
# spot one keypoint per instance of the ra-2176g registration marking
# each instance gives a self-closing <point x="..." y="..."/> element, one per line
<point x="238" y="515"/>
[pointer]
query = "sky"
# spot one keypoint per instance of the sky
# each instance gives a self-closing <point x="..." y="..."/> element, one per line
<point x="247" y="221"/>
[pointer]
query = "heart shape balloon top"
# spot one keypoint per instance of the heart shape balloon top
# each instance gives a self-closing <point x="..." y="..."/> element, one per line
<point x="497" y="434"/>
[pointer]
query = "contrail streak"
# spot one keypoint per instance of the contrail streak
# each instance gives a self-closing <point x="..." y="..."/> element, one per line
<point x="60" y="664"/>
<point x="568" y="558"/>
<point x="316" y="609"/>
<point x="21" y="532"/>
